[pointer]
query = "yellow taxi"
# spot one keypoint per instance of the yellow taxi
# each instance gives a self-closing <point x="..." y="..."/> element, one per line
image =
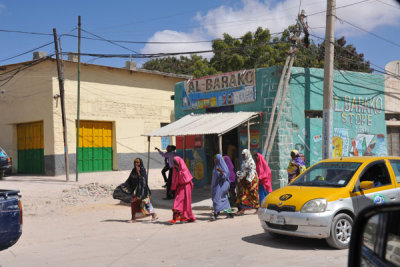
<point x="323" y="201"/>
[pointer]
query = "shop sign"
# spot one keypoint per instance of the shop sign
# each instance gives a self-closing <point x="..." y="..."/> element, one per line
<point x="220" y="90"/>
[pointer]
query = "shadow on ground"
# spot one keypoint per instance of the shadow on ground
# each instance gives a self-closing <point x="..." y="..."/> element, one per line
<point x="287" y="242"/>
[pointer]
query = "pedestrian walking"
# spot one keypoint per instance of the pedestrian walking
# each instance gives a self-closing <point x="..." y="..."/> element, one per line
<point x="219" y="187"/>
<point x="140" y="202"/>
<point x="264" y="177"/>
<point x="232" y="179"/>
<point x="247" y="188"/>
<point x="296" y="165"/>
<point x="169" y="155"/>
<point x="183" y="186"/>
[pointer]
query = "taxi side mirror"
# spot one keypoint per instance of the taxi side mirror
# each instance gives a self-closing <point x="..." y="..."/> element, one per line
<point x="366" y="185"/>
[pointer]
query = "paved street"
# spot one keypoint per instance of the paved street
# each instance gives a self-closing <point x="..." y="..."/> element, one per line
<point x="95" y="232"/>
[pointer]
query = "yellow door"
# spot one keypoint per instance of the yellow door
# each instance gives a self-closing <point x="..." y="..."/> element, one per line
<point x="30" y="148"/>
<point x="95" y="146"/>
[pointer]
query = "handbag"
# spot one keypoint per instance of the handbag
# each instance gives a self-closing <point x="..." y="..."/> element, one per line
<point x="123" y="193"/>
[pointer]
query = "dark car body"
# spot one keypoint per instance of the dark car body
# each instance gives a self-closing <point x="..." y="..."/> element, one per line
<point x="5" y="163"/>
<point x="10" y="218"/>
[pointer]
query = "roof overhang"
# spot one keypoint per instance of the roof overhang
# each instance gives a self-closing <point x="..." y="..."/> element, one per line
<point x="203" y="124"/>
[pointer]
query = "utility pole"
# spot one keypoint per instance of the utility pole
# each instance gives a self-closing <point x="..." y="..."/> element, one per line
<point x="79" y="98"/>
<point x="61" y="85"/>
<point x="328" y="79"/>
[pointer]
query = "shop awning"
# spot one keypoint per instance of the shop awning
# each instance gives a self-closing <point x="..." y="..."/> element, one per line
<point x="202" y="124"/>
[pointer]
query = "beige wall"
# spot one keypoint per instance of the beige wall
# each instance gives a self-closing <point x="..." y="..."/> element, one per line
<point x="392" y="88"/>
<point x="135" y="102"/>
<point x="25" y="98"/>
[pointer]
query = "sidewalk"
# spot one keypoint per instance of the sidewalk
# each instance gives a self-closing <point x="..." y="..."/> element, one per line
<point x="44" y="189"/>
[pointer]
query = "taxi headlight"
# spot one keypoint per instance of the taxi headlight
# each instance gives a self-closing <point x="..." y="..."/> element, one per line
<point x="262" y="205"/>
<point x="314" y="206"/>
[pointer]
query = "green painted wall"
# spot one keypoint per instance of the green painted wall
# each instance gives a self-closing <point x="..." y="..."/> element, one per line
<point x="359" y="126"/>
<point x="355" y="123"/>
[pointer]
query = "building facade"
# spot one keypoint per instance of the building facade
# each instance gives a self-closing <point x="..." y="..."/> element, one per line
<point x="359" y="126"/>
<point x="117" y="106"/>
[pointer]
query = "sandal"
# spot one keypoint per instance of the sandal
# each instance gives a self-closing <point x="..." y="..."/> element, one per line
<point x="154" y="219"/>
<point x="240" y="213"/>
<point x="172" y="221"/>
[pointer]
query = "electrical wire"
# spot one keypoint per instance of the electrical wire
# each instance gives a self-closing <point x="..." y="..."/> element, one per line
<point x="111" y="42"/>
<point x="352" y="4"/>
<point x="374" y="34"/>
<point x="29" y="51"/>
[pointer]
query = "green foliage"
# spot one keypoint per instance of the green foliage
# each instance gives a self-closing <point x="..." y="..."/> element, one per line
<point x="258" y="50"/>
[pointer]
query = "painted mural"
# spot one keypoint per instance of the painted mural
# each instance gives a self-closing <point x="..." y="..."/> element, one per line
<point x="195" y="160"/>
<point x="220" y="90"/>
<point x="359" y="127"/>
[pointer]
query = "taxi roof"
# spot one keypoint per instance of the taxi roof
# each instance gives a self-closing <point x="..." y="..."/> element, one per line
<point x="359" y="159"/>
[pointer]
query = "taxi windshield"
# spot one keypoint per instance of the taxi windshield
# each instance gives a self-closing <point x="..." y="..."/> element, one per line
<point x="327" y="174"/>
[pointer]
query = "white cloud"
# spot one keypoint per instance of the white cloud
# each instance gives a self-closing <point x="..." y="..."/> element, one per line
<point x="276" y="17"/>
<point x="173" y="36"/>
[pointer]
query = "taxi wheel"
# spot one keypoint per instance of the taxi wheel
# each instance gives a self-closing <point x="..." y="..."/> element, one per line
<point x="340" y="231"/>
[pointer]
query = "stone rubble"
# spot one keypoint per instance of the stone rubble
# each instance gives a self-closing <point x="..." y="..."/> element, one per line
<point x="87" y="193"/>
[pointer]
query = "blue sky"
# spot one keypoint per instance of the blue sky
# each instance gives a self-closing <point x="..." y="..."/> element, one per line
<point x="187" y="21"/>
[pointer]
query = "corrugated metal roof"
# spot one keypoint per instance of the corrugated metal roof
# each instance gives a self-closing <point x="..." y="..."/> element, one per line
<point x="199" y="124"/>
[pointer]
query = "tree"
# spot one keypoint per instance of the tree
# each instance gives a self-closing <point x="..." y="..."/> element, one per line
<point x="193" y="65"/>
<point x="258" y="50"/>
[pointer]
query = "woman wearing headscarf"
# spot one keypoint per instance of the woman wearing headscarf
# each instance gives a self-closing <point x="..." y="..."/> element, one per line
<point x="264" y="176"/>
<point x="296" y="165"/>
<point x="219" y="187"/>
<point x="232" y="179"/>
<point x="182" y="185"/>
<point x="247" y="188"/>
<point x="137" y="183"/>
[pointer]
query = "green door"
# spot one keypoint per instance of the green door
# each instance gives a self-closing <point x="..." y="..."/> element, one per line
<point x="95" y="146"/>
<point x="30" y="148"/>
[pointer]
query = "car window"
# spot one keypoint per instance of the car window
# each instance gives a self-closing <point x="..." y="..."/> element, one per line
<point x="376" y="173"/>
<point x="396" y="168"/>
<point x="393" y="240"/>
<point x="2" y="153"/>
<point x="328" y="174"/>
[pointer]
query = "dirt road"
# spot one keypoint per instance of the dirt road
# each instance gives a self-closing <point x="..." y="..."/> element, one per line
<point x="95" y="232"/>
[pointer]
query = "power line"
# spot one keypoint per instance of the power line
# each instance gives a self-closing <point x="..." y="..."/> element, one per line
<point x="114" y="43"/>
<point x="352" y="4"/>
<point x="387" y="4"/>
<point x="377" y="36"/>
<point x="24" y="53"/>
<point x="157" y="55"/>
<point x="351" y="52"/>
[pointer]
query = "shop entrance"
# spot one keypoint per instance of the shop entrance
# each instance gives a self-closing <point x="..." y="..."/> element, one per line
<point x="229" y="147"/>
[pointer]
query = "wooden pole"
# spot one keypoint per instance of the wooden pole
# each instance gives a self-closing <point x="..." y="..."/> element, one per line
<point x="148" y="156"/>
<point x="220" y="144"/>
<point x="61" y="85"/>
<point x="248" y="135"/>
<point x="79" y="99"/>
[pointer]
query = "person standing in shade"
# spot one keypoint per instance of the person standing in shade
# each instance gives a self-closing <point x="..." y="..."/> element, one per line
<point x="296" y="165"/>
<point x="247" y="188"/>
<point x="232" y="179"/>
<point x="183" y="186"/>
<point x="219" y="187"/>
<point x="140" y="202"/>
<point x="264" y="176"/>
<point x="165" y="169"/>
<point x="169" y="155"/>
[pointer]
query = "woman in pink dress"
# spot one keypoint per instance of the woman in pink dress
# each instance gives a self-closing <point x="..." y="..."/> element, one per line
<point x="182" y="185"/>
<point x="264" y="176"/>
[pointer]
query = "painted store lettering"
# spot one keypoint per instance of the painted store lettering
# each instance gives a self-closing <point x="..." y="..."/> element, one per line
<point x="358" y="110"/>
<point x="222" y="81"/>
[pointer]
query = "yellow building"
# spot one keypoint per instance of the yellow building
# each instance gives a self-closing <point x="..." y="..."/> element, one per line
<point x="117" y="106"/>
